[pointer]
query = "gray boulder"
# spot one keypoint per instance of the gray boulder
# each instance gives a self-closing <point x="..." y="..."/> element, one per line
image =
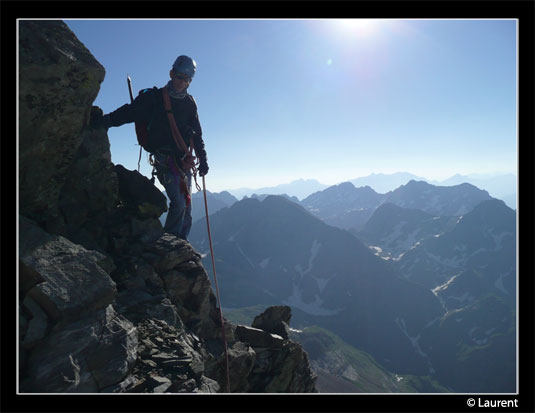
<point x="170" y="360"/>
<point x="274" y="320"/>
<point x="85" y="356"/>
<point x="187" y="284"/>
<point x="139" y="194"/>
<point x="76" y="280"/>
<point x="258" y="338"/>
<point x="241" y="358"/>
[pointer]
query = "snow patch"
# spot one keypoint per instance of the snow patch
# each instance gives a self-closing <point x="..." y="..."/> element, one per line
<point x="313" y="253"/>
<point x="322" y="282"/>
<point x="479" y="250"/>
<point x="498" y="239"/>
<point x="350" y="373"/>
<point x="499" y="283"/>
<point x="380" y="253"/>
<point x="432" y="322"/>
<point x="245" y="256"/>
<point x="444" y="286"/>
<point x="460" y="247"/>
<point x="268" y="292"/>
<point x="232" y="238"/>
<point x="263" y="264"/>
<point x="414" y="340"/>
<point x="378" y="250"/>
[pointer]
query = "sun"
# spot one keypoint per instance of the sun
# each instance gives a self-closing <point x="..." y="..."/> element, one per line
<point x="358" y="27"/>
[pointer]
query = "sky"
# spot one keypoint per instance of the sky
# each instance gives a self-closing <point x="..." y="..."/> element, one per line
<point x="325" y="99"/>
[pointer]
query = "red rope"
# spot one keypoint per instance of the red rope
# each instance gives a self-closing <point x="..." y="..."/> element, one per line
<point x="216" y="287"/>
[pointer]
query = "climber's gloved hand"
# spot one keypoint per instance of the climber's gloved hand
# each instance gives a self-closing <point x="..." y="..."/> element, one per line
<point x="98" y="120"/>
<point x="203" y="167"/>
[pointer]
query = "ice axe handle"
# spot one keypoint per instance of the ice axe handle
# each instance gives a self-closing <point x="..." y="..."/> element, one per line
<point x="129" y="81"/>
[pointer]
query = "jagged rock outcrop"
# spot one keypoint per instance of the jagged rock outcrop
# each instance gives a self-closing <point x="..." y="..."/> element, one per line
<point x="58" y="81"/>
<point x="109" y="303"/>
<point x="275" y="320"/>
<point x="279" y="362"/>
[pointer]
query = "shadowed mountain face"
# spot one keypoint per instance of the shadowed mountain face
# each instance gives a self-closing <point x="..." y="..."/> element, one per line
<point x="484" y="240"/>
<point x="469" y="263"/>
<point x="274" y="251"/>
<point x="393" y="230"/>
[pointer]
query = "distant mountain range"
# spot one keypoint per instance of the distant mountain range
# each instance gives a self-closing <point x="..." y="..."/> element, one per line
<point x="346" y="206"/>
<point x="498" y="185"/>
<point x="501" y="186"/>
<point x="300" y="188"/>
<point x="355" y="215"/>
<point x="384" y="183"/>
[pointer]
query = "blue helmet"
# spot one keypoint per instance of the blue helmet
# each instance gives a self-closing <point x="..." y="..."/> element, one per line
<point x="185" y="65"/>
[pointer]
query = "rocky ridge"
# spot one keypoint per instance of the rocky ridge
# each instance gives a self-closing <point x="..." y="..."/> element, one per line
<point x="108" y="302"/>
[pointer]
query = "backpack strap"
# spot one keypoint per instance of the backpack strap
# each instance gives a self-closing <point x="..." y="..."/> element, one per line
<point x="181" y="145"/>
<point x="174" y="129"/>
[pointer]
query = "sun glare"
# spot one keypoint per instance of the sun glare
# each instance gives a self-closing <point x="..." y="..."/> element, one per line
<point x="359" y="27"/>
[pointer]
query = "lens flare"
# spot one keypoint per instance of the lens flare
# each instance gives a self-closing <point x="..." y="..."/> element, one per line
<point x="359" y="27"/>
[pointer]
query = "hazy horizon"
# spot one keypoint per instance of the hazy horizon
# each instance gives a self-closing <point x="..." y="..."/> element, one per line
<point x="474" y="175"/>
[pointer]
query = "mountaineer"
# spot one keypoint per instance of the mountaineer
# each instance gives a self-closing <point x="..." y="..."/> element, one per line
<point x="170" y="155"/>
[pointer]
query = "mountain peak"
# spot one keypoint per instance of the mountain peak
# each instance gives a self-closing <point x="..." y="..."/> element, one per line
<point x="345" y="185"/>
<point x="493" y="207"/>
<point x="414" y="183"/>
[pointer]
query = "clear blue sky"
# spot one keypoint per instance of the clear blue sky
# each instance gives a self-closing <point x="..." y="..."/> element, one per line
<point x="331" y="100"/>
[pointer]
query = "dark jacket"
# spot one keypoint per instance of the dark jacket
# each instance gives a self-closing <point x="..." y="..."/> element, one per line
<point x="148" y="108"/>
